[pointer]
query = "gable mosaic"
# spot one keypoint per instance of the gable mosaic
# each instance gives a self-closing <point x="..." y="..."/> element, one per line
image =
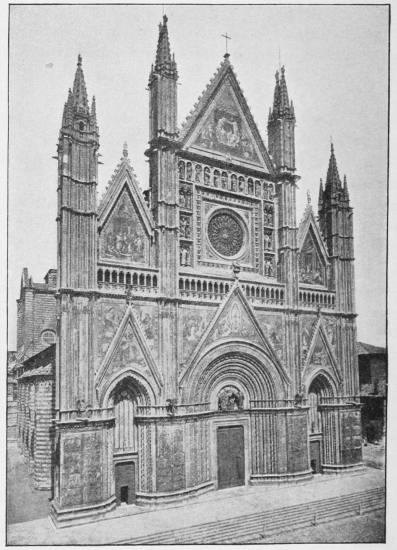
<point x="123" y="237"/>
<point x="225" y="130"/>
<point x="311" y="265"/>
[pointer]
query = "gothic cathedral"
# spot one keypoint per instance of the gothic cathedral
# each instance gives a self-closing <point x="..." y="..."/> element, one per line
<point x="203" y="339"/>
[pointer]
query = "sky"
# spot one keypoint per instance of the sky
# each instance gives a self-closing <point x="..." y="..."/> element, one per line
<point x="336" y="60"/>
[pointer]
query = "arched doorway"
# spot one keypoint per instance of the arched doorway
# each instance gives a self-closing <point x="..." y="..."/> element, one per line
<point x="125" y="397"/>
<point x="319" y="387"/>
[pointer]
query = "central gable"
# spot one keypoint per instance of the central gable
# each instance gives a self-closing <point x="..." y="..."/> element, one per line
<point x="222" y="125"/>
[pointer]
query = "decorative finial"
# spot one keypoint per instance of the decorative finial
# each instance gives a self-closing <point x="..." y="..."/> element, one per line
<point x="277" y="75"/>
<point x="79" y="60"/>
<point x="309" y="199"/>
<point x="226" y="37"/>
<point x="332" y="145"/>
<point x="165" y="19"/>
<point x="282" y="70"/>
<point x="125" y="150"/>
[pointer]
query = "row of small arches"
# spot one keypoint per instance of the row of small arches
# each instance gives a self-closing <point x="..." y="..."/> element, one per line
<point x="198" y="286"/>
<point x="317" y="298"/>
<point x="267" y="293"/>
<point x="251" y="291"/>
<point x="119" y="277"/>
<point x="221" y="179"/>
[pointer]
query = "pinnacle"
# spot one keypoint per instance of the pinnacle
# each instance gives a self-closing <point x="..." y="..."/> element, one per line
<point x="281" y="104"/>
<point x="79" y="89"/>
<point x="165" y="62"/>
<point x="333" y="182"/>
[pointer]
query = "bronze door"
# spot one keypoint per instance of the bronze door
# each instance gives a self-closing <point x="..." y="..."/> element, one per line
<point x="125" y="482"/>
<point x="230" y="448"/>
<point x="315" y="456"/>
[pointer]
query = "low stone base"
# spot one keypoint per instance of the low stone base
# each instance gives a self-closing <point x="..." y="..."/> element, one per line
<point x="157" y="499"/>
<point x="341" y="468"/>
<point x="268" y="479"/>
<point x="67" y="517"/>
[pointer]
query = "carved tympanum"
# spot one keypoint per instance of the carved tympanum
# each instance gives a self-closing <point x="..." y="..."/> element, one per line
<point x="230" y="399"/>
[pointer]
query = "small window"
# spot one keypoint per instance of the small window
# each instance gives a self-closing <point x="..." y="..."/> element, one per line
<point x="48" y="337"/>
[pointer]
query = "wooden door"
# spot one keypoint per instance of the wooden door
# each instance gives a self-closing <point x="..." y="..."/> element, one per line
<point x="315" y="456"/>
<point x="230" y="450"/>
<point x="125" y="482"/>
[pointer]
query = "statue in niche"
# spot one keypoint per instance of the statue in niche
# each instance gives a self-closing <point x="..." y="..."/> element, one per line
<point x="269" y="269"/>
<point x="207" y="175"/>
<point x="250" y="187"/>
<point x="234" y="182"/>
<point x="230" y="399"/>
<point x="241" y="184"/>
<point x="267" y="238"/>
<point x="182" y="201"/>
<point x="224" y="180"/>
<point x="184" y="227"/>
<point x="189" y="171"/>
<point x="198" y="173"/>
<point x="181" y="167"/>
<point x="257" y="189"/>
<point x="216" y="178"/>
<point x="185" y="255"/>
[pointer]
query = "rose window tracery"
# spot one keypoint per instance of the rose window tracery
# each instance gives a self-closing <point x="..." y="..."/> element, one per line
<point x="226" y="234"/>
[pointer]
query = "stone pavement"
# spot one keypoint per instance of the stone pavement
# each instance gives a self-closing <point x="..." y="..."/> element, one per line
<point x="369" y="528"/>
<point x="129" y="522"/>
<point x="24" y="503"/>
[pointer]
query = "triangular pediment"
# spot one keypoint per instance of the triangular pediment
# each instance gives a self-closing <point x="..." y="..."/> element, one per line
<point x="222" y="125"/>
<point x="320" y="356"/>
<point x="128" y="351"/>
<point x="124" y="180"/>
<point x="234" y="321"/>
<point x="313" y="257"/>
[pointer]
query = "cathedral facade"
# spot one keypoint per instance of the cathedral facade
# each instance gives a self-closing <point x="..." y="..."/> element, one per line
<point x="203" y="339"/>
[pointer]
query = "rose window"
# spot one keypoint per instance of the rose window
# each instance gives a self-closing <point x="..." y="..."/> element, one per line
<point x="226" y="234"/>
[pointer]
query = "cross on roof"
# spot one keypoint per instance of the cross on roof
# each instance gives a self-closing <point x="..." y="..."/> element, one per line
<point x="226" y="37"/>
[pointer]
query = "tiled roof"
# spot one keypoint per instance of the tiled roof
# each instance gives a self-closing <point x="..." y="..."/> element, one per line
<point x="368" y="349"/>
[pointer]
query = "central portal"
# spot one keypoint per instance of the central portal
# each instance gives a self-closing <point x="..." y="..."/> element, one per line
<point x="230" y="450"/>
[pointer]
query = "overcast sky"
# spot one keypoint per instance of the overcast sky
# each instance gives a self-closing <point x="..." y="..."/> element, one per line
<point x="336" y="70"/>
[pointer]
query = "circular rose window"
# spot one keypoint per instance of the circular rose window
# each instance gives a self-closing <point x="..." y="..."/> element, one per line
<point x="226" y="234"/>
